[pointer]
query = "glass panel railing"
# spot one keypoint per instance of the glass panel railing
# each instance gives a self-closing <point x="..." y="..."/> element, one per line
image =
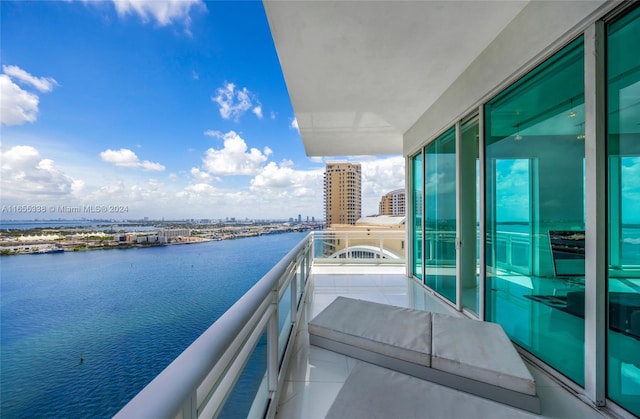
<point x="284" y="320"/>
<point x="250" y="394"/>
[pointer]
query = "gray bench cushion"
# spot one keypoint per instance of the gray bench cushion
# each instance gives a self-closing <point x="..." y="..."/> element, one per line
<point x="388" y="330"/>
<point x="468" y="355"/>
<point x="480" y="351"/>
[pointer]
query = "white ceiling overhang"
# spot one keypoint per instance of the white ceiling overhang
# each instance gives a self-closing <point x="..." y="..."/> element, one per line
<point x="360" y="73"/>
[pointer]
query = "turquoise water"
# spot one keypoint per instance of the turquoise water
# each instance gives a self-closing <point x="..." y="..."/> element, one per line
<point x="83" y="332"/>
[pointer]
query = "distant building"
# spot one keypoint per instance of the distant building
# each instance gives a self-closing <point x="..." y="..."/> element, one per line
<point x="342" y="193"/>
<point x="174" y="233"/>
<point x="393" y="203"/>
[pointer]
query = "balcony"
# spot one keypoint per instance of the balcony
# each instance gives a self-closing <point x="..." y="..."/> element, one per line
<point x="256" y="361"/>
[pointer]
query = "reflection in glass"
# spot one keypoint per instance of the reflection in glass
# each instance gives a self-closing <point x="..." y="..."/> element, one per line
<point x="440" y="215"/>
<point x="250" y="394"/>
<point x="535" y="211"/>
<point x="417" y="197"/>
<point x="623" y="149"/>
<point x="284" y="321"/>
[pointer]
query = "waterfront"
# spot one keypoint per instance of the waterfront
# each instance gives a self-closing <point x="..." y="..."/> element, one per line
<point x="35" y="237"/>
<point x="83" y="332"/>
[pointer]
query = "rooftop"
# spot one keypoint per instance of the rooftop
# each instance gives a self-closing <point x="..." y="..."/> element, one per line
<point x="382" y="220"/>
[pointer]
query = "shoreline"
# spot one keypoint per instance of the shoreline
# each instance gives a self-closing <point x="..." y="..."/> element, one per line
<point x="53" y="244"/>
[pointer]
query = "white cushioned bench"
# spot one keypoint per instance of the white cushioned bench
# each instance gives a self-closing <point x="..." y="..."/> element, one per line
<point x="468" y="355"/>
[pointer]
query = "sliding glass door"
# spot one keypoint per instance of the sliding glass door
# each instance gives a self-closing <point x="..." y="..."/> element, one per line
<point x="623" y="149"/>
<point x="440" y="215"/>
<point x="535" y="218"/>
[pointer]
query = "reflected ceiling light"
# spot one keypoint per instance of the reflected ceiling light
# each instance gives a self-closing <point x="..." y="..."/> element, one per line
<point x="572" y="113"/>
<point x="581" y="135"/>
<point x="518" y="137"/>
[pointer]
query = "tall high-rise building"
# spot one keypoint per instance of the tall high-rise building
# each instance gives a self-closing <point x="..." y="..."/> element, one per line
<point x="393" y="203"/>
<point x="342" y="193"/>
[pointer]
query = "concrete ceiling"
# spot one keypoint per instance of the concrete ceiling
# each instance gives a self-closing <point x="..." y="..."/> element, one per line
<point x="360" y="73"/>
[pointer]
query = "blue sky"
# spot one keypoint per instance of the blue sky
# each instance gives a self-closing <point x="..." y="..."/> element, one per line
<point x="174" y="109"/>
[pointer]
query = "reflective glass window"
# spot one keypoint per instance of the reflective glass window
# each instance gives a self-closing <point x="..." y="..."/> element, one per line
<point x="623" y="149"/>
<point x="535" y="226"/>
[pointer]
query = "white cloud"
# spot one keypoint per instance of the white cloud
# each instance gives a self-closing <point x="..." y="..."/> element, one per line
<point x="197" y="190"/>
<point x="203" y="177"/>
<point x="25" y="174"/>
<point x="291" y="191"/>
<point x="140" y="197"/>
<point x="234" y="103"/>
<point x="163" y="12"/>
<point x="17" y="105"/>
<point x="123" y="157"/>
<point x="233" y="158"/>
<point x="294" y="124"/>
<point x="512" y="180"/>
<point x="212" y="133"/>
<point x="285" y="192"/>
<point x="127" y="158"/>
<point x="273" y="176"/>
<point x="43" y="84"/>
<point x="151" y="166"/>
<point x="278" y="181"/>
<point x="383" y="175"/>
<point x="380" y="176"/>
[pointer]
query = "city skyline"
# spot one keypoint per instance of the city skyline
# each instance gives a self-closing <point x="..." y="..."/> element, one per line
<point x="174" y="109"/>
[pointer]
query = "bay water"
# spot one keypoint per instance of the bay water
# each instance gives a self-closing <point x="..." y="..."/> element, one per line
<point x="83" y="332"/>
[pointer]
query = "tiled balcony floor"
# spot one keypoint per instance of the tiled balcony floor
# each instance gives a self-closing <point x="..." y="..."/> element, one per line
<point x="315" y="376"/>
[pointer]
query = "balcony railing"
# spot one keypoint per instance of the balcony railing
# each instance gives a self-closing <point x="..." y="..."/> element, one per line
<point x="206" y="379"/>
<point x="359" y="247"/>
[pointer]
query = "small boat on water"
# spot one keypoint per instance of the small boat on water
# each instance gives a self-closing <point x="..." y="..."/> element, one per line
<point x="45" y="251"/>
